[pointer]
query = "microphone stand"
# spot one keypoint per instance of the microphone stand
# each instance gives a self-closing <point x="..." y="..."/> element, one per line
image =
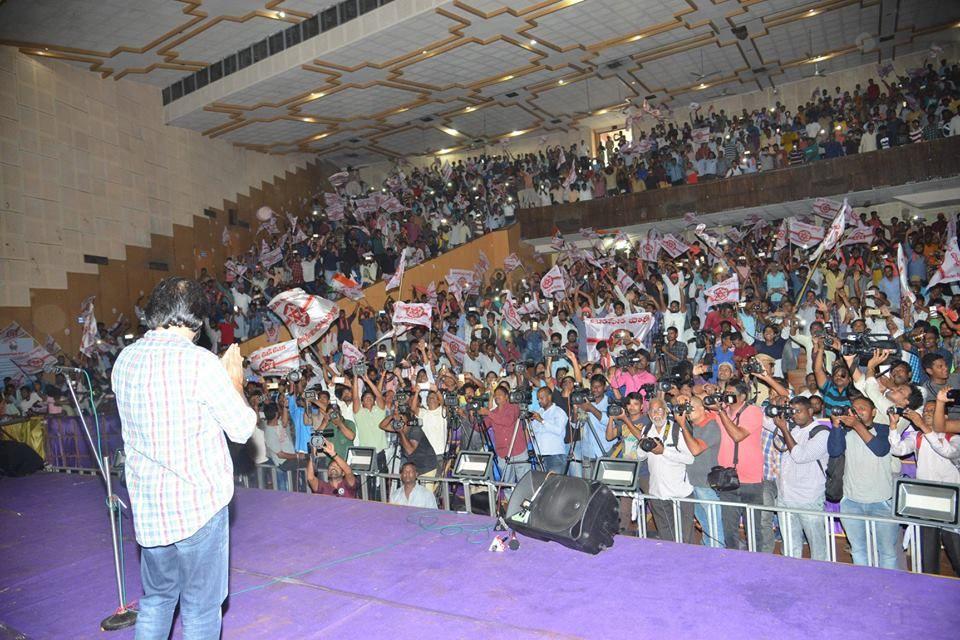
<point x="125" y="615"/>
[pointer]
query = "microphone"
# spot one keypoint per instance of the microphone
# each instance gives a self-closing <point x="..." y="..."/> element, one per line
<point x="59" y="369"/>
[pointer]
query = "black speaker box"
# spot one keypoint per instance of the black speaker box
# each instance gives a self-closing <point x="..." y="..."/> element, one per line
<point x="578" y="514"/>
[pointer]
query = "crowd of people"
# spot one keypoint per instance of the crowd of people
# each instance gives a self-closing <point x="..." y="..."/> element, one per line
<point x="850" y="355"/>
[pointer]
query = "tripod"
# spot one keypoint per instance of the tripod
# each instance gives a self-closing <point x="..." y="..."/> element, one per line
<point x="534" y="459"/>
<point x="581" y="424"/>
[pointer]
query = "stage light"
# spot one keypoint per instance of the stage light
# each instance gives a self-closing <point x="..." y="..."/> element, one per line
<point x="618" y="473"/>
<point x="281" y="14"/>
<point x="361" y="459"/>
<point x="473" y="465"/>
<point x="927" y="502"/>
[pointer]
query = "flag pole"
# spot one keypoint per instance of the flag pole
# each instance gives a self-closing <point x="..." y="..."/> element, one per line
<point x="803" y="289"/>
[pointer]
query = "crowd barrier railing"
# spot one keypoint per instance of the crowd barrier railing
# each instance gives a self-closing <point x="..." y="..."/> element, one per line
<point x="374" y="487"/>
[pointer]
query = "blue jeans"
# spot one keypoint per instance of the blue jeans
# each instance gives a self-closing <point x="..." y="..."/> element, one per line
<point x="555" y="462"/>
<point x="703" y="514"/>
<point x="193" y="571"/>
<point x="811" y="527"/>
<point x="887" y="533"/>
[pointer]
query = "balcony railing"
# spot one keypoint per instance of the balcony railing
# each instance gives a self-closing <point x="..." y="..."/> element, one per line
<point x="824" y="178"/>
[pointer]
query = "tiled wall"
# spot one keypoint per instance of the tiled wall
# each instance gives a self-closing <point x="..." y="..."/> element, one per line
<point x="87" y="166"/>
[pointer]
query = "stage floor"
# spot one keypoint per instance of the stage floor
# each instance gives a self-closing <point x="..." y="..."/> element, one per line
<point x="306" y="566"/>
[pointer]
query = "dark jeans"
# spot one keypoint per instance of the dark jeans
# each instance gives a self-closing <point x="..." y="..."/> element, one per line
<point x="746" y="494"/>
<point x="193" y="571"/>
<point x="663" y="517"/>
<point x="930" y="540"/>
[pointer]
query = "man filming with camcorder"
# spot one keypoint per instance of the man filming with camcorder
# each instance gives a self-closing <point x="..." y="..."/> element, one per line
<point x="549" y="426"/>
<point x="340" y="479"/>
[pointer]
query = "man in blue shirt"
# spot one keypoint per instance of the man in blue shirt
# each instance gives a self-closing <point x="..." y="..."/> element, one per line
<point x="593" y="439"/>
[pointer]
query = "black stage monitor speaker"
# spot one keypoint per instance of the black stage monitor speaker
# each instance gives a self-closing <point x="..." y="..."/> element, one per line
<point x="576" y="513"/>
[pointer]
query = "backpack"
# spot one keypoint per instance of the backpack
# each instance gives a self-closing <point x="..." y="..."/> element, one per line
<point x="833" y="487"/>
<point x="674" y="434"/>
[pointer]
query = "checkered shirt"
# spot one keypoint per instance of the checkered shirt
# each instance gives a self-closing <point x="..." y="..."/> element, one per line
<point x="176" y="402"/>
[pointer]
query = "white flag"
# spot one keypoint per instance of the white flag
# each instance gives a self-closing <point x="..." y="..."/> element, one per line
<point x="511" y="262"/>
<point x="905" y="289"/>
<point x="34" y="361"/>
<point x="727" y="291"/>
<point x="599" y="329"/>
<point x="457" y="346"/>
<point x="412" y="313"/>
<point x="276" y="359"/>
<point x="624" y="281"/>
<point x="673" y="245"/>
<point x="834" y="232"/>
<point x="804" y="234"/>
<point x="949" y="270"/>
<point x="561" y="159"/>
<point x="782" y="232"/>
<point x="271" y="258"/>
<point x="826" y="208"/>
<point x="88" y="341"/>
<point x="225" y="237"/>
<point x="862" y="234"/>
<point x="397" y="277"/>
<point x="351" y="355"/>
<point x="649" y="248"/>
<point x="346" y="286"/>
<point x="700" y="136"/>
<point x="307" y="317"/>
<point x="483" y="262"/>
<point x="553" y="282"/>
<point x="510" y="313"/>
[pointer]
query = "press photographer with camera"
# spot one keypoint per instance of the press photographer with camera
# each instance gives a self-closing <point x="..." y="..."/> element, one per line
<point x="667" y="456"/>
<point x="702" y="435"/>
<point x="739" y="476"/>
<point x="340" y="479"/>
<point x="592" y="411"/>
<point x="834" y="388"/>
<point x="501" y="416"/>
<point x="867" y="481"/>
<point x="279" y="442"/>
<point x="330" y="421"/>
<point x="937" y="456"/>
<point x="800" y="482"/>
<point x="368" y="414"/>
<point x="414" y="445"/>
<point x="549" y="426"/>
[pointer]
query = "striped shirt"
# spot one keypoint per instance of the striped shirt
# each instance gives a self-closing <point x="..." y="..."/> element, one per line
<point x="176" y="402"/>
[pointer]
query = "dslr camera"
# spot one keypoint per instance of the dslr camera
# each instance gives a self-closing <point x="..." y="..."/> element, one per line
<point x="552" y="352"/>
<point x="317" y="439"/>
<point x="753" y="366"/>
<point x="836" y="412"/>
<point x="649" y="444"/>
<point x="614" y="410"/>
<point x="333" y="411"/>
<point x="779" y="411"/>
<point x="669" y="382"/>
<point x="579" y="396"/>
<point x="896" y="411"/>
<point x="679" y="409"/>
<point x="715" y="399"/>
<point x="402" y="397"/>
<point x="389" y="363"/>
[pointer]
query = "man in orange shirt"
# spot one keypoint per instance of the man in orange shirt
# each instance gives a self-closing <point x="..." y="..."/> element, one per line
<point x="740" y="447"/>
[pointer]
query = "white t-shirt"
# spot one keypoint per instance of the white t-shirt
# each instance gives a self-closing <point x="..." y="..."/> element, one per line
<point x="435" y="428"/>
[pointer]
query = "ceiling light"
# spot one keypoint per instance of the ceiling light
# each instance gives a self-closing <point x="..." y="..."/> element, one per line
<point x="562" y="82"/>
<point x="702" y="85"/>
<point x="424" y="52"/>
<point x="402" y="109"/>
<point x="469" y="109"/>
<point x="812" y="13"/>
<point x="320" y="136"/>
<point x="505" y="78"/>
<point x="315" y="96"/>
<point x="450" y="131"/>
<point x="281" y="14"/>
<point x="444" y="152"/>
<point x="308" y="119"/>
<point x="533" y="43"/>
<point x="514" y="134"/>
<point x="602" y="112"/>
<point x="635" y="38"/>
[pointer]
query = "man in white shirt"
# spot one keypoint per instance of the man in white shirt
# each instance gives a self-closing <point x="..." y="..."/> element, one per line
<point x="411" y="494"/>
<point x="549" y="426"/>
<point x="802" y="477"/>
<point x="667" y="462"/>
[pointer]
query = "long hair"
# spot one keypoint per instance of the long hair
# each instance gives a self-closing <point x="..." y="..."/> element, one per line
<point x="176" y="302"/>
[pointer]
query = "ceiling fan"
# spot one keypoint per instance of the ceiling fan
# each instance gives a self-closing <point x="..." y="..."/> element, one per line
<point x="701" y="75"/>
<point x="817" y="71"/>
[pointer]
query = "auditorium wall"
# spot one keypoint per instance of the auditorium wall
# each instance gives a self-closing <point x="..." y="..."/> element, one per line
<point x="496" y="245"/>
<point x="88" y="167"/>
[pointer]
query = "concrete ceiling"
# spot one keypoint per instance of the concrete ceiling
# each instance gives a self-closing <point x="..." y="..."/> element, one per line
<point x="417" y="76"/>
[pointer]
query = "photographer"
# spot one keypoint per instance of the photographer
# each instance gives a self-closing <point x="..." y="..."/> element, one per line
<point x="330" y="418"/>
<point x="835" y="388"/>
<point x="593" y="441"/>
<point x="340" y="479"/>
<point x="500" y="416"/>
<point x="867" y="483"/>
<point x="411" y="494"/>
<point x="800" y="483"/>
<point x="667" y="455"/>
<point x="549" y="426"/>
<point x="279" y="443"/>
<point x="702" y="436"/>
<point x="368" y="414"/>
<point x="740" y="449"/>
<point x="936" y="455"/>
<point x="414" y="445"/>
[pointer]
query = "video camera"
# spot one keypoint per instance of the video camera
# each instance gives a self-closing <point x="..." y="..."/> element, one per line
<point x="627" y="358"/>
<point x="402" y="397"/>
<point x="864" y="344"/>
<point x="450" y="399"/>
<point x="478" y="402"/>
<point x="702" y="338"/>
<point x="359" y="369"/>
<point x="521" y="397"/>
<point x="310" y="394"/>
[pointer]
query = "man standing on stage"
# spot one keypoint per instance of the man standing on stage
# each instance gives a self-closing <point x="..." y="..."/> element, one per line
<point x="176" y="400"/>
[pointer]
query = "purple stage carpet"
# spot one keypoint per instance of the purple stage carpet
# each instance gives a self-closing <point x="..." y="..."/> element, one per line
<point x="307" y="566"/>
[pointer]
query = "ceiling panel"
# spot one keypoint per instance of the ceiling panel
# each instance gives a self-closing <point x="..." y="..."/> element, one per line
<point x="379" y="87"/>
